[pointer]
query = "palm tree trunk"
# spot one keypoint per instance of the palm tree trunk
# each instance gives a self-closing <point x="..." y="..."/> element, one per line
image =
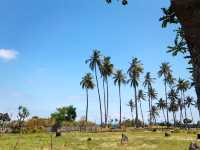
<point x="164" y="114"/>
<point x="166" y="100"/>
<point x="154" y="118"/>
<point x="107" y="99"/>
<point x="150" y="116"/>
<point x="86" y="118"/>
<point x="141" y="112"/>
<point x="104" y="97"/>
<point x="132" y="116"/>
<point x="184" y="105"/>
<point x="136" y="107"/>
<point x="181" y="108"/>
<point x="99" y="96"/>
<point x="187" y="12"/>
<point x="191" y="113"/>
<point x="151" y="104"/>
<point x="120" y="109"/>
<point x="181" y="114"/>
<point x="174" y="119"/>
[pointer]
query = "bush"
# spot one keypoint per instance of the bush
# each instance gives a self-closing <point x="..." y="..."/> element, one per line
<point x="154" y="130"/>
<point x="187" y="121"/>
<point x="131" y="123"/>
<point x="167" y="134"/>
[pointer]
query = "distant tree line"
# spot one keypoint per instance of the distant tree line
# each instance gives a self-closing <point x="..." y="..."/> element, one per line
<point x="23" y="124"/>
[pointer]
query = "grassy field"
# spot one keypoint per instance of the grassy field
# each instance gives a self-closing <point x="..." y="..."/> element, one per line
<point x="139" y="140"/>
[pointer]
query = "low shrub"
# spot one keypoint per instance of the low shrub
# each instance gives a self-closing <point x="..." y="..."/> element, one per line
<point x="167" y="134"/>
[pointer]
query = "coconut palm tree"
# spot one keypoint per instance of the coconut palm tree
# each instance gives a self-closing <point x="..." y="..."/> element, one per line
<point x="153" y="95"/>
<point x="106" y="70"/>
<point x="141" y="96"/>
<point x="94" y="64"/>
<point x="173" y="107"/>
<point x="87" y="83"/>
<point x="132" y="106"/>
<point x="182" y="87"/>
<point x="181" y="106"/>
<point x="104" y="93"/>
<point x="155" y="113"/>
<point x="162" y="105"/>
<point x="165" y="71"/>
<point x="190" y="102"/>
<point x="119" y="79"/>
<point x="134" y="71"/>
<point x="171" y="80"/>
<point x="148" y="80"/>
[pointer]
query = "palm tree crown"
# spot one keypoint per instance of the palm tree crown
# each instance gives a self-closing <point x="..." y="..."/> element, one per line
<point x="119" y="78"/>
<point x="182" y="85"/>
<point x="152" y="93"/>
<point x="134" y="72"/>
<point x="148" y="80"/>
<point x="87" y="82"/>
<point x="173" y="107"/>
<point x="161" y="104"/>
<point x="173" y="95"/>
<point x="170" y="80"/>
<point x="94" y="60"/>
<point x="154" y="112"/>
<point x="165" y="69"/>
<point x="106" y="67"/>
<point x="141" y="95"/>
<point x="189" y="101"/>
<point x="131" y="104"/>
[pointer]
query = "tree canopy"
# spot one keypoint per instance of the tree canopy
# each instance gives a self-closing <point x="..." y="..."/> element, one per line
<point x="64" y="114"/>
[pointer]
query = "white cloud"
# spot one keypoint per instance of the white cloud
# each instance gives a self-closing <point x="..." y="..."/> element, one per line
<point x="8" y="54"/>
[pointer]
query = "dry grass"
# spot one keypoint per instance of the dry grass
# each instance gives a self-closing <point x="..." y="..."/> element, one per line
<point x="138" y="140"/>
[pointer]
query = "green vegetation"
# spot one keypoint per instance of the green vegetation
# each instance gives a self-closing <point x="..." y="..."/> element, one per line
<point x="87" y="83"/>
<point x="144" y="140"/>
<point x="173" y="101"/>
<point x="187" y="23"/>
<point x="64" y="114"/>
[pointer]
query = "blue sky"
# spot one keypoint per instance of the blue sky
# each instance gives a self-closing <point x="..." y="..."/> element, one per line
<point x="44" y="45"/>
